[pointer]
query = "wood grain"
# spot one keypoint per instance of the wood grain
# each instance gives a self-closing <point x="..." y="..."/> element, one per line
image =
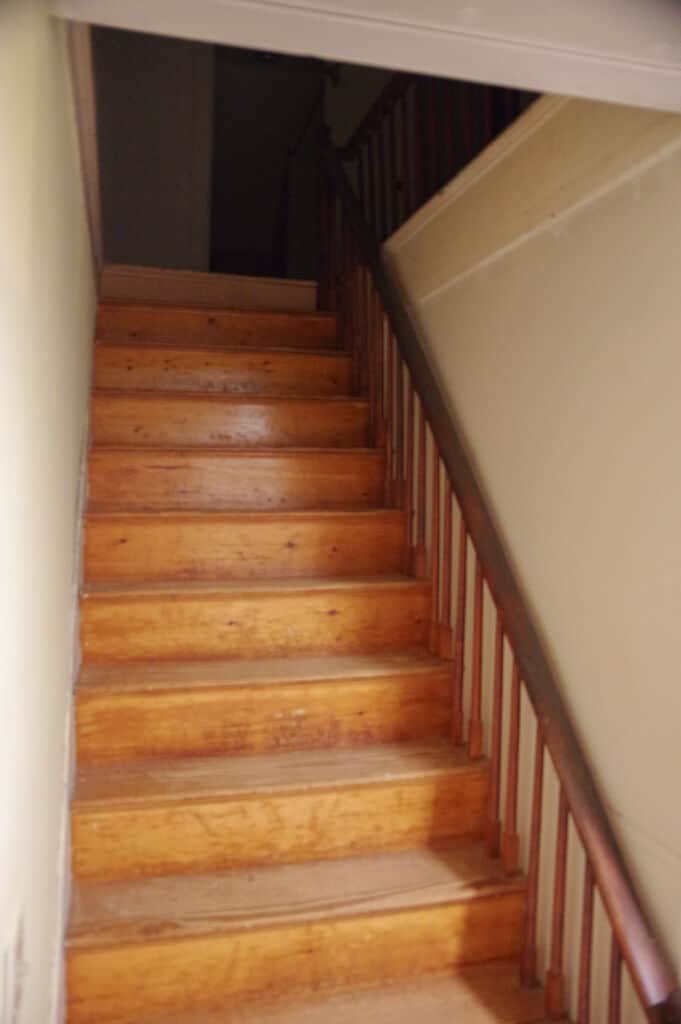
<point x="253" y="935"/>
<point x="195" y="709"/>
<point x="134" y="322"/>
<point x="173" y="622"/>
<point x="227" y="371"/>
<point x="236" y="545"/>
<point x="208" y="814"/>
<point x="163" y="479"/>
<point x="147" y="418"/>
<point x="483" y="994"/>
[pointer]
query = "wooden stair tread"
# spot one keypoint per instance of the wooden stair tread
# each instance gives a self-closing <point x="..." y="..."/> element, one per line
<point x="483" y="994"/>
<point x="182" y="779"/>
<point x="174" y="907"/>
<point x="188" y="588"/>
<point x="255" y="672"/>
<point x="245" y="327"/>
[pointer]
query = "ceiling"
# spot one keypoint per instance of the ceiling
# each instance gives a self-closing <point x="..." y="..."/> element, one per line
<point x="624" y="51"/>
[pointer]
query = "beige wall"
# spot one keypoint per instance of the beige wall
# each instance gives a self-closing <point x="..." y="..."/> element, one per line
<point x="546" y="281"/>
<point x="46" y="319"/>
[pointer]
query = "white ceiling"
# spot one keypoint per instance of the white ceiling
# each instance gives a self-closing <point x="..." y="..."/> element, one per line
<point x="626" y="51"/>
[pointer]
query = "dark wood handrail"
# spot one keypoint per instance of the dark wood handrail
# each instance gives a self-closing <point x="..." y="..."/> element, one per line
<point x="652" y="973"/>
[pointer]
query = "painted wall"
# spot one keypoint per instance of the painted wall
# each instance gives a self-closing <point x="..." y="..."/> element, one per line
<point x="46" y="325"/>
<point x="545" y="280"/>
<point x="155" y="125"/>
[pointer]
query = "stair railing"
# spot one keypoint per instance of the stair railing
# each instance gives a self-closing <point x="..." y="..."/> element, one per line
<point x="417" y="135"/>
<point x="506" y="701"/>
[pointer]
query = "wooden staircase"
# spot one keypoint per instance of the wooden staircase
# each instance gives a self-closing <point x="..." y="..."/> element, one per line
<point x="270" y="822"/>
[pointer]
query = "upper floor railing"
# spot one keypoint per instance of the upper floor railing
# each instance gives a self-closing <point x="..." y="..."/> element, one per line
<point x="545" y="814"/>
<point x="416" y="136"/>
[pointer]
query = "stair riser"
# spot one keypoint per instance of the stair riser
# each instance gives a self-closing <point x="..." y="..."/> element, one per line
<point x="124" y="479"/>
<point x="118" y="985"/>
<point x="270" y="624"/>
<point x="211" y="835"/>
<point x="216" y="327"/>
<point x="186" y="548"/>
<point x="230" y="372"/>
<point x="262" y="719"/>
<point x="231" y="422"/>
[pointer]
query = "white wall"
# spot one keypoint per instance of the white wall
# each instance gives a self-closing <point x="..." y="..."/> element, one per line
<point x="546" y="281"/>
<point x="46" y="321"/>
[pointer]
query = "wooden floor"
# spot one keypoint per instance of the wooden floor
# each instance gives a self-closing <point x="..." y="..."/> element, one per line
<point x="270" y="823"/>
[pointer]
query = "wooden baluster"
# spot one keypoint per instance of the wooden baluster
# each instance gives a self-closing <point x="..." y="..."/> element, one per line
<point x="398" y="434"/>
<point x="381" y="224"/>
<point x="370" y="342"/>
<point x="475" y="738"/>
<point x="390" y="416"/>
<point x="435" y="550"/>
<point x="450" y="130"/>
<point x="460" y="634"/>
<point x="555" y="980"/>
<point x="419" y="562"/>
<point x="407" y="180"/>
<point x="584" y="1000"/>
<point x="467" y="121"/>
<point x="394" y="168"/>
<point x="510" y="845"/>
<point x="494" y="823"/>
<point x="361" y="184"/>
<point x="433" y="168"/>
<point x="332" y="250"/>
<point x="487" y="120"/>
<point x="380" y="416"/>
<point x="373" y="204"/>
<point x="409" y="474"/>
<point x="324" y="243"/>
<point x="446" y="649"/>
<point x="528" y="969"/>
<point x="615" y="985"/>
<point x="419" y="139"/>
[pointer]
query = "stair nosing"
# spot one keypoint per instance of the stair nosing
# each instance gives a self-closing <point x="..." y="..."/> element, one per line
<point x="120" y="588"/>
<point x="289" y="514"/>
<point x="248" y="350"/>
<point x="248" y="398"/>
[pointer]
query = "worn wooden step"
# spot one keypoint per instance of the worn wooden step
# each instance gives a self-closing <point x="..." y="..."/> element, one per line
<point x="227" y="371"/>
<point x="170" y="945"/>
<point x="134" y="322"/>
<point x="240" y="421"/>
<point x="243" y="545"/>
<point x="253" y="619"/>
<point x="482" y="994"/>
<point x="203" y="814"/>
<point x="162" y="479"/>
<point x="256" y="706"/>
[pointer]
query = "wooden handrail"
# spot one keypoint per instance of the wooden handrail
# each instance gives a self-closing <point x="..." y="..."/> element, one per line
<point x="652" y="973"/>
